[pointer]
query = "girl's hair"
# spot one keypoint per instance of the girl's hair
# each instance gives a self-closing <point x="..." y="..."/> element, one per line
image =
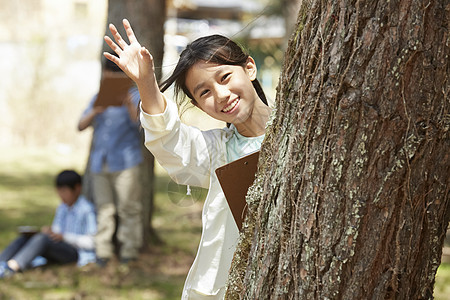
<point x="215" y="49"/>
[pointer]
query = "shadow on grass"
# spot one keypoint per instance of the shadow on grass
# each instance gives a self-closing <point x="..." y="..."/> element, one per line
<point x="28" y="180"/>
<point x="29" y="198"/>
<point x="26" y="199"/>
<point x="143" y="280"/>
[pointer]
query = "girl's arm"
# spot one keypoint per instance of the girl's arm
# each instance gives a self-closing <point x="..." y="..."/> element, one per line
<point x="137" y="62"/>
<point x="180" y="149"/>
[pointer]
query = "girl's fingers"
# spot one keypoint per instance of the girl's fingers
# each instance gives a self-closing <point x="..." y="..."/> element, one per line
<point x="129" y="31"/>
<point x="112" y="58"/>
<point x="113" y="45"/>
<point x="146" y="55"/>
<point x="119" y="40"/>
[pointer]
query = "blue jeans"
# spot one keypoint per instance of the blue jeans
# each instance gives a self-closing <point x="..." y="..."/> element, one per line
<point x="24" y="249"/>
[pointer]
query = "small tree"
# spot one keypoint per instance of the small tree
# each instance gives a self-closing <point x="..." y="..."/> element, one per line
<point x="351" y="198"/>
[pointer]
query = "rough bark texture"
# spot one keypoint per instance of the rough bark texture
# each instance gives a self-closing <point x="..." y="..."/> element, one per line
<point x="147" y="18"/>
<point x="351" y="198"/>
<point x="290" y="9"/>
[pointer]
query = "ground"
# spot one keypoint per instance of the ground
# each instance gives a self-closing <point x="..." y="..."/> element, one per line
<point x="27" y="197"/>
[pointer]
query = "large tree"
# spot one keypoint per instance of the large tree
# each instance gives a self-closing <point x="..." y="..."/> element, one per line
<point x="289" y="9"/>
<point x="351" y="197"/>
<point x="147" y="18"/>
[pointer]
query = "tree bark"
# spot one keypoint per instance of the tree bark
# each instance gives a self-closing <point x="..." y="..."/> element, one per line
<point x="351" y="198"/>
<point x="147" y="18"/>
<point x="290" y="9"/>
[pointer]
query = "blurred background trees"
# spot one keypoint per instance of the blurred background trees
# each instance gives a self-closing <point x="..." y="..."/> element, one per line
<point x="50" y="65"/>
<point x="52" y="55"/>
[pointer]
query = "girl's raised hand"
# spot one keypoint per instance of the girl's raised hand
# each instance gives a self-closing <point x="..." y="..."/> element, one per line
<point x="135" y="60"/>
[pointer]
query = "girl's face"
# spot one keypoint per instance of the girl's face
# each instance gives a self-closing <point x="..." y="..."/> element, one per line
<point x="225" y="92"/>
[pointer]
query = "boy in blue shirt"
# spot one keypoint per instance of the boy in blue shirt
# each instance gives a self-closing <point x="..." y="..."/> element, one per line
<point x="69" y="239"/>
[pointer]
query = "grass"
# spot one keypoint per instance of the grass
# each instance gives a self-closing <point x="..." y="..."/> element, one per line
<point x="27" y="197"/>
<point x="442" y="286"/>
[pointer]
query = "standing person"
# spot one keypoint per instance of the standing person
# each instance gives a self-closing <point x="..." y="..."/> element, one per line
<point x="220" y="79"/>
<point x="69" y="239"/>
<point x="115" y="162"/>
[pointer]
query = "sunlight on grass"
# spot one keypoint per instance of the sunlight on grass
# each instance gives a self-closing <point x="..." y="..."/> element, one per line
<point x="28" y="198"/>
<point x="26" y="188"/>
<point x="442" y="286"/>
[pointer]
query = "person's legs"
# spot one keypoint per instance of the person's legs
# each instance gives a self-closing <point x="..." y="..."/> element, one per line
<point x="13" y="248"/>
<point x="41" y="244"/>
<point x="129" y="207"/>
<point x="106" y="209"/>
<point x="60" y="252"/>
<point x="8" y="268"/>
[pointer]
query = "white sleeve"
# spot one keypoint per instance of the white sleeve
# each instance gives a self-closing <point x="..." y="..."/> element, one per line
<point x="180" y="149"/>
<point x="79" y="241"/>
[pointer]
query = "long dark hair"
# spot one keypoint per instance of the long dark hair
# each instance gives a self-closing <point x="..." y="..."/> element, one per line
<point x="215" y="49"/>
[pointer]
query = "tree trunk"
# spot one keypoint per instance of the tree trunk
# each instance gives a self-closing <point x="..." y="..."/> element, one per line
<point x="289" y="9"/>
<point x="351" y="198"/>
<point x="147" y="18"/>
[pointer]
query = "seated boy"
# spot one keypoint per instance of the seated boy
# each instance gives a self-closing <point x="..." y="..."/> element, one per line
<point x="69" y="239"/>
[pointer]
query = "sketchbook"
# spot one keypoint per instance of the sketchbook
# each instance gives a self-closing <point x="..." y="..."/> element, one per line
<point x="113" y="90"/>
<point x="235" y="178"/>
<point x="28" y="230"/>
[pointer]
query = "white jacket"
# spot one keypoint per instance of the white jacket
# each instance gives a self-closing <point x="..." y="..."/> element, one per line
<point x="191" y="157"/>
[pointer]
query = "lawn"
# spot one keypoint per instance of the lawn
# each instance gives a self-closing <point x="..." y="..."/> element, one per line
<point x="27" y="197"/>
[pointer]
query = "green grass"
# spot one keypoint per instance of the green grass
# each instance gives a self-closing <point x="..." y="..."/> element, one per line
<point x="27" y="197"/>
<point x="442" y="286"/>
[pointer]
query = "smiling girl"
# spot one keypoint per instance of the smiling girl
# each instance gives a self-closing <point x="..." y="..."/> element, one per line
<point x="220" y="79"/>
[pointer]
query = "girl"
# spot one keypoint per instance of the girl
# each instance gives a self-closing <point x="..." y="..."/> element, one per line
<point x="220" y="80"/>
